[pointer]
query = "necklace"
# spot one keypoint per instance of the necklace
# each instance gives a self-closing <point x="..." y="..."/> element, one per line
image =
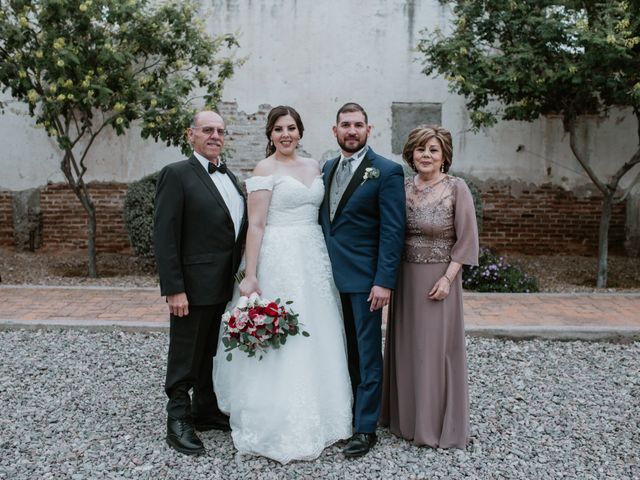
<point x="427" y="185"/>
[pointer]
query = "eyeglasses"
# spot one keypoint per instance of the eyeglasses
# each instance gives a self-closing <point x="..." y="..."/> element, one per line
<point x="208" y="131"/>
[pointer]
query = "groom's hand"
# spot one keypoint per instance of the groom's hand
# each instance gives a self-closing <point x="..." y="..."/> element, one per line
<point x="379" y="297"/>
<point x="178" y="304"/>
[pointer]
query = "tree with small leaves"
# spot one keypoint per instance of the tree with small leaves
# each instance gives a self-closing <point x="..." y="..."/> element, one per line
<point x="515" y="60"/>
<point x="84" y="66"/>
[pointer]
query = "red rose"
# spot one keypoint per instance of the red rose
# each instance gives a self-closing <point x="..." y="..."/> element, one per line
<point x="271" y="309"/>
<point x="232" y="322"/>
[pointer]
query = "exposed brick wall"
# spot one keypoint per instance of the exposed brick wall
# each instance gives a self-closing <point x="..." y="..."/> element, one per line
<point x="64" y="221"/>
<point x="546" y="219"/>
<point x="6" y="219"/>
<point x="245" y="142"/>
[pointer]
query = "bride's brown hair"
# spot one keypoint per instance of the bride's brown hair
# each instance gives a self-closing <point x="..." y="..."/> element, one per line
<point x="272" y="118"/>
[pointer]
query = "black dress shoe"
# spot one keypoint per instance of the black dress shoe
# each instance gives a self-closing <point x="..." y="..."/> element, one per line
<point x="212" y="423"/>
<point x="359" y="444"/>
<point x="180" y="436"/>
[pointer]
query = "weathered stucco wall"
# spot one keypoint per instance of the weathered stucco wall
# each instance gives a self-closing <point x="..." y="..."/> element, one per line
<point x="316" y="56"/>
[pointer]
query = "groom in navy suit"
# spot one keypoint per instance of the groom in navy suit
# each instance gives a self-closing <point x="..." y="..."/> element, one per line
<point x="363" y="220"/>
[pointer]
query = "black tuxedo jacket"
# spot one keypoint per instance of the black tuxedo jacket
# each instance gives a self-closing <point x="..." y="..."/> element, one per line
<point x="194" y="239"/>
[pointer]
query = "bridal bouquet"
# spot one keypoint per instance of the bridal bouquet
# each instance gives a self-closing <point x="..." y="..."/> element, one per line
<point x="256" y="324"/>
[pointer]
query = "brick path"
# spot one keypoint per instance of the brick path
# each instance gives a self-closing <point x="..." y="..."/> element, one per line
<point x="556" y="315"/>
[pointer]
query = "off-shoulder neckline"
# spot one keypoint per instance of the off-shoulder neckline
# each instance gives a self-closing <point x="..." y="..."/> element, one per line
<point x="308" y="187"/>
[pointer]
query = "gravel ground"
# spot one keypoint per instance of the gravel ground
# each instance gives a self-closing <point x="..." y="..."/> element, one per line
<point x="87" y="405"/>
<point x="45" y="267"/>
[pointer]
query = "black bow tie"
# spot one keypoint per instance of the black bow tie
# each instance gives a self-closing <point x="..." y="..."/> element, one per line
<point x="212" y="168"/>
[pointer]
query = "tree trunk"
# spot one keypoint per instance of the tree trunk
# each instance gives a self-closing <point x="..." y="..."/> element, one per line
<point x="69" y="168"/>
<point x="91" y="240"/>
<point x="83" y="195"/>
<point x="603" y="238"/>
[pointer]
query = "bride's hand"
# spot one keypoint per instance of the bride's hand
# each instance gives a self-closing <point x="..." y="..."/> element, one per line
<point x="248" y="285"/>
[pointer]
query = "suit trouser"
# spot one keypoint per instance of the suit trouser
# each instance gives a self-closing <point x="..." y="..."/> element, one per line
<point x="192" y="345"/>
<point x="363" y="329"/>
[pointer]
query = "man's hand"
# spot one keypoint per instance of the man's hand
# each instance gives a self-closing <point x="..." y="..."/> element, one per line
<point x="178" y="304"/>
<point x="379" y="297"/>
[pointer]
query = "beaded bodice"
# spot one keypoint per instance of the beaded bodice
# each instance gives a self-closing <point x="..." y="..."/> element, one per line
<point x="430" y="233"/>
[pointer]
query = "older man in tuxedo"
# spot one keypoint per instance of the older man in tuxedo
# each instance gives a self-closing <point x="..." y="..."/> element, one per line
<point x="199" y="229"/>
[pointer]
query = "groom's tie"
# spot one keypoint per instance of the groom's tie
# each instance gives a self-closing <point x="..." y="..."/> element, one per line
<point x="344" y="172"/>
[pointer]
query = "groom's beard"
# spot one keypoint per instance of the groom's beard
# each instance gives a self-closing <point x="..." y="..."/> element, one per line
<point x="351" y="149"/>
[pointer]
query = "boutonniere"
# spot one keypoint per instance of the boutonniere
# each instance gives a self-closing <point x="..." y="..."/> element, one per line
<point x="370" y="172"/>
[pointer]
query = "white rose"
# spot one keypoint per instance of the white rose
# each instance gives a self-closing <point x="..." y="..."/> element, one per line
<point x="254" y="299"/>
<point x="243" y="301"/>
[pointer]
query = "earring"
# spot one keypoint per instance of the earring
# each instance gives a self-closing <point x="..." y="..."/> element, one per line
<point x="442" y="167"/>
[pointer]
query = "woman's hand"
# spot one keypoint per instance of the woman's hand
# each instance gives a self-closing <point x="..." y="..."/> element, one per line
<point x="440" y="290"/>
<point x="248" y="285"/>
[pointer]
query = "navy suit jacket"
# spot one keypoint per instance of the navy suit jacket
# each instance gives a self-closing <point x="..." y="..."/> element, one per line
<point x="366" y="237"/>
<point x="194" y="239"/>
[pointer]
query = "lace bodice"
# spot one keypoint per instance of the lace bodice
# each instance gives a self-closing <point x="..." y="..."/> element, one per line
<point x="292" y="202"/>
<point x="441" y="223"/>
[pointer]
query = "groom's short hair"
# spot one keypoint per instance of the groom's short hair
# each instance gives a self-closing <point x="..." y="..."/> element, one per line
<point x="351" y="107"/>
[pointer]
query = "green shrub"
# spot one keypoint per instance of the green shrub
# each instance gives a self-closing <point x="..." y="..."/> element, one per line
<point x="494" y="274"/>
<point x="138" y="214"/>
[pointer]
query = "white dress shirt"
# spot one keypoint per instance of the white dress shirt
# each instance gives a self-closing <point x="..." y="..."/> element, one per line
<point x="228" y="191"/>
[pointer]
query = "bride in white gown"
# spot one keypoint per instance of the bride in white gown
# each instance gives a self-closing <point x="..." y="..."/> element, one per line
<point x="296" y="400"/>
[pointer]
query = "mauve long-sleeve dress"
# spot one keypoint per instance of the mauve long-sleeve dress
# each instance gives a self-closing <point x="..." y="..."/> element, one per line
<point x="425" y="388"/>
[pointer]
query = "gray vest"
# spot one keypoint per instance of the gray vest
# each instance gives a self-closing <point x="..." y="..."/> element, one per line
<point x="337" y="191"/>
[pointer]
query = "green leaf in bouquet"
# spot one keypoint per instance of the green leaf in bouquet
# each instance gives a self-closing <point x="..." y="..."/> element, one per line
<point x="268" y="320"/>
<point x="225" y="341"/>
<point x="289" y="302"/>
<point x="252" y="339"/>
<point x="305" y="333"/>
<point x="229" y="357"/>
<point x="277" y="301"/>
<point x="283" y="339"/>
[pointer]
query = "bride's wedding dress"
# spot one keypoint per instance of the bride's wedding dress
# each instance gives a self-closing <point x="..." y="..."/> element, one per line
<point x="296" y="400"/>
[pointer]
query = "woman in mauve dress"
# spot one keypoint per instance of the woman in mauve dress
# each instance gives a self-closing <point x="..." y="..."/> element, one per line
<point x="425" y="389"/>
